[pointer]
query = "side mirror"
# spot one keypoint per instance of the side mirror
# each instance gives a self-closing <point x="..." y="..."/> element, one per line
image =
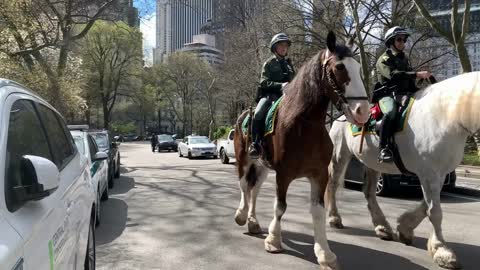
<point x="114" y="145"/>
<point x="40" y="177"/>
<point x="100" y="156"/>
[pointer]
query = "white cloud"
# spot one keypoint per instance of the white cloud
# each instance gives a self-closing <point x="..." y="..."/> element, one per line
<point x="147" y="27"/>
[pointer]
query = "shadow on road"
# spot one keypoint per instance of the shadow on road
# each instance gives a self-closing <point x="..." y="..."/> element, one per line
<point x="349" y="256"/>
<point x="114" y="221"/>
<point x="122" y="185"/>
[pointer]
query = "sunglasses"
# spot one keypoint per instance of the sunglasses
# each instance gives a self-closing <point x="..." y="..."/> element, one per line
<point x="401" y="40"/>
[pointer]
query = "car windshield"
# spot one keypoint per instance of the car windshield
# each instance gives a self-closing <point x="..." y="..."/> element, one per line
<point x="165" y="138"/>
<point x="101" y="140"/>
<point x="199" y="140"/>
<point x="79" y="143"/>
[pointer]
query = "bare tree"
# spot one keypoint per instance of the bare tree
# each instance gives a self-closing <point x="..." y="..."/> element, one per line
<point x="457" y="33"/>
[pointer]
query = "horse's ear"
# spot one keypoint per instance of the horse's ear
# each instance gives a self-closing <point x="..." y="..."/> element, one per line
<point x="331" y="41"/>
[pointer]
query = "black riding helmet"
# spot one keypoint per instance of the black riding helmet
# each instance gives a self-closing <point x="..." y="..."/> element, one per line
<point x="279" y="38"/>
<point x="393" y="32"/>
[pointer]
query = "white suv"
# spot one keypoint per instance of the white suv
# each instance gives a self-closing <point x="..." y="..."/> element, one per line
<point x="47" y="202"/>
<point x="97" y="161"/>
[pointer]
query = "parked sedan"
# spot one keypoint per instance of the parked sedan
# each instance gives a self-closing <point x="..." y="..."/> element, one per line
<point x="97" y="161"/>
<point x="47" y="202"/>
<point x="102" y="138"/>
<point x="388" y="183"/>
<point x="166" y="142"/>
<point x="197" y="146"/>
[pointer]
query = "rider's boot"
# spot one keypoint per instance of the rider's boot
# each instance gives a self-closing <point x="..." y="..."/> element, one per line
<point x="386" y="154"/>
<point x="255" y="148"/>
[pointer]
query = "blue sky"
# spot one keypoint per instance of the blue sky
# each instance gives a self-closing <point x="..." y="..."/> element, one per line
<point x="146" y="9"/>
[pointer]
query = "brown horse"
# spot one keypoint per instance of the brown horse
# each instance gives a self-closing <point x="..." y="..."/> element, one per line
<point x="300" y="145"/>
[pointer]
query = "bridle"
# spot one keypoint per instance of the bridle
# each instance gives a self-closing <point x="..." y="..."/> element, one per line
<point x="337" y="90"/>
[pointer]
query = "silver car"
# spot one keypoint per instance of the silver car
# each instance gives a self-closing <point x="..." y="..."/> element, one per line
<point x="197" y="146"/>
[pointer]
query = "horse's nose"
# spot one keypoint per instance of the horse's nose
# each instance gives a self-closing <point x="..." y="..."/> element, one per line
<point x="361" y="112"/>
<point x="358" y="110"/>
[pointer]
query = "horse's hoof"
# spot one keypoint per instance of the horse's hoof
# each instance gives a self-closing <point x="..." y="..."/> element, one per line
<point x="445" y="258"/>
<point x="241" y="217"/>
<point x="335" y="222"/>
<point x="273" y="244"/>
<point x="384" y="233"/>
<point x="253" y="226"/>
<point x="405" y="236"/>
<point x="330" y="266"/>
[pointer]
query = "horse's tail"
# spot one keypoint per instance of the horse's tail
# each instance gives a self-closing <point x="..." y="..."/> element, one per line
<point x="240" y="145"/>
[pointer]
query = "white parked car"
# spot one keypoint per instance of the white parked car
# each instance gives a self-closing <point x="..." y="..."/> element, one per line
<point x="97" y="162"/>
<point x="197" y="146"/>
<point x="47" y="203"/>
<point x="226" y="148"/>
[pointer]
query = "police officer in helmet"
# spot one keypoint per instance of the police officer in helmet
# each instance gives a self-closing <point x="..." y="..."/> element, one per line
<point x="394" y="70"/>
<point x="277" y="71"/>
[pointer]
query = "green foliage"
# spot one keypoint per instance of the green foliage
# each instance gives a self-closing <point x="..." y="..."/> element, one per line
<point x="112" y="55"/>
<point x="221" y="132"/>
<point x="471" y="159"/>
<point x="123" y="128"/>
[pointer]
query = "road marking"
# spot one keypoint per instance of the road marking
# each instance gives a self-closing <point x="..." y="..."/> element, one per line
<point x="460" y="197"/>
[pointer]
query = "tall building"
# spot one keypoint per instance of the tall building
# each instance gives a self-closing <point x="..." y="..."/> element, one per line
<point x="204" y="47"/>
<point x="178" y="21"/>
<point x="123" y="10"/>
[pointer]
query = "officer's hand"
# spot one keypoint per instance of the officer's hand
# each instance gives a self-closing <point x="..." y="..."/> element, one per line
<point x="424" y="74"/>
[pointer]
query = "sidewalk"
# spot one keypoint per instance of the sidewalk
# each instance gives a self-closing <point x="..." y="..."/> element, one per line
<point x="468" y="171"/>
<point x="468" y="180"/>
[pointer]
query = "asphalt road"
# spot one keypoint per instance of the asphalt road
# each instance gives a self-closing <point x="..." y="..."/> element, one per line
<point x="167" y="212"/>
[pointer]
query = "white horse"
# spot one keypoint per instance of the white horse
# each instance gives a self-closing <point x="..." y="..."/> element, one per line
<point x="431" y="145"/>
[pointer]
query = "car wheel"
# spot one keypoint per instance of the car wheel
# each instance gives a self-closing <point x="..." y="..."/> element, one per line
<point x="189" y="155"/>
<point x="180" y="153"/>
<point x="117" y="169"/>
<point x="97" y="211"/>
<point x="383" y="187"/>
<point x="223" y="157"/>
<point x="90" y="258"/>
<point x="110" y="180"/>
<point x="215" y="157"/>
<point x="105" y="194"/>
<point x="169" y="150"/>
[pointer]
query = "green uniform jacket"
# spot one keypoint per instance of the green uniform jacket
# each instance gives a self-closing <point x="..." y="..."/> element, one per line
<point x="394" y="69"/>
<point x="275" y="71"/>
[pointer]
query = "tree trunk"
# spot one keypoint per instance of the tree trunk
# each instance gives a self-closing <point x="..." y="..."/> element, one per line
<point x="159" y="115"/>
<point x="463" y="57"/>
<point x="106" y="115"/>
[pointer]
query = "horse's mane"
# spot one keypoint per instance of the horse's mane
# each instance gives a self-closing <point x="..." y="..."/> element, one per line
<point x="308" y="89"/>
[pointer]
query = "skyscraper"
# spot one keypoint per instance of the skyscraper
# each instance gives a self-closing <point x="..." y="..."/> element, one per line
<point x="177" y="22"/>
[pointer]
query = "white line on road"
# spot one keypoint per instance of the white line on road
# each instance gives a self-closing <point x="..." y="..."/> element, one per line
<point x="460" y="197"/>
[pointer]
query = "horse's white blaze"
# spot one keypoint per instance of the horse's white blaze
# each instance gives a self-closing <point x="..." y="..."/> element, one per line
<point x="359" y="109"/>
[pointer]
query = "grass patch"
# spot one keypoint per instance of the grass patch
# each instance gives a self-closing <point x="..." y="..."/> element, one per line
<point x="471" y="159"/>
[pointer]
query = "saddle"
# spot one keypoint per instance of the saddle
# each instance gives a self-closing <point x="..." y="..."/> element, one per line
<point x="374" y="125"/>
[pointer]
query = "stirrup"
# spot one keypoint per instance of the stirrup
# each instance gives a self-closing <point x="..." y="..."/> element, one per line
<point x="254" y="151"/>
<point x="385" y="155"/>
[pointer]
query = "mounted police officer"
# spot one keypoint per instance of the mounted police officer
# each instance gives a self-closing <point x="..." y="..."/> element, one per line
<point x="395" y="72"/>
<point x="276" y="73"/>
